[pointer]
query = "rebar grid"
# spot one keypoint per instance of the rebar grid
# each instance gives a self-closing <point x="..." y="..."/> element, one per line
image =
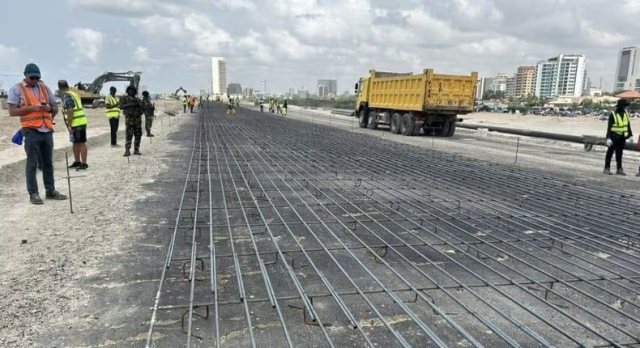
<point x="380" y="243"/>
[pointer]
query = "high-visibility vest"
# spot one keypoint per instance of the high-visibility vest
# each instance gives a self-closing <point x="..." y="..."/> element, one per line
<point x="111" y="101"/>
<point x="79" y="117"/>
<point x="35" y="119"/>
<point x="184" y="101"/>
<point x="621" y="124"/>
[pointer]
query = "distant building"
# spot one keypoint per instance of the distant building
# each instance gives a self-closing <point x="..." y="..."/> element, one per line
<point x="248" y="92"/>
<point x="234" y="89"/>
<point x="323" y="91"/>
<point x="628" y="70"/>
<point x="218" y="76"/>
<point x="332" y="86"/>
<point x="480" y="88"/>
<point x="562" y="76"/>
<point x="303" y="93"/>
<point x="499" y="83"/>
<point x="525" y="83"/>
<point x="510" y="87"/>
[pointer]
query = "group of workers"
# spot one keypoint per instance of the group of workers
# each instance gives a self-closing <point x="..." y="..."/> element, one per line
<point x="32" y="101"/>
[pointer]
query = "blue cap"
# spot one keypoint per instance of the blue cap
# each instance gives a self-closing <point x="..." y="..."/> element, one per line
<point x="32" y="70"/>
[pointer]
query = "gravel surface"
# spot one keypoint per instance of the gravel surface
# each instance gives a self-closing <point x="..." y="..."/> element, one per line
<point x="49" y="254"/>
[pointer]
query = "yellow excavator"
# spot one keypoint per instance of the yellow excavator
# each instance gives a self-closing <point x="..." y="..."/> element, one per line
<point x="89" y="93"/>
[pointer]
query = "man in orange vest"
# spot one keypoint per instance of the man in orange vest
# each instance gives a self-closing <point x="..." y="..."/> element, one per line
<point x="33" y="102"/>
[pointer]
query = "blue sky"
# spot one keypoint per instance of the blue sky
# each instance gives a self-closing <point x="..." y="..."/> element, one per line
<point x="293" y="43"/>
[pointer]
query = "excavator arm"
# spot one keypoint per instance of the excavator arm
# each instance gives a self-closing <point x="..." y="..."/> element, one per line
<point x="180" y="89"/>
<point x="132" y="77"/>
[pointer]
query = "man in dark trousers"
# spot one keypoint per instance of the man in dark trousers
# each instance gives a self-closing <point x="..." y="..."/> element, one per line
<point x="132" y="109"/>
<point x="618" y="131"/>
<point x="113" y="114"/>
<point x="149" y="112"/>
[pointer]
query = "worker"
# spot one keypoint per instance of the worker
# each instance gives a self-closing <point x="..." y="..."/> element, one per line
<point x="113" y="114"/>
<point x="184" y="103"/>
<point x="132" y="108"/>
<point x="76" y="121"/>
<point x="192" y="103"/>
<point x="149" y="112"/>
<point x="618" y="131"/>
<point x="33" y="102"/>
<point x="230" y="110"/>
<point x="283" y="109"/>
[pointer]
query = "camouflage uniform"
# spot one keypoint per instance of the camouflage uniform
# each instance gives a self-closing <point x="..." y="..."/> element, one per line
<point x="132" y="110"/>
<point x="148" y="109"/>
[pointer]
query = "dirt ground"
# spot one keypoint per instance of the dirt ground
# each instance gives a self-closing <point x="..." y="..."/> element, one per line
<point x="47" y="251"/>
<point x="584" y="125"/>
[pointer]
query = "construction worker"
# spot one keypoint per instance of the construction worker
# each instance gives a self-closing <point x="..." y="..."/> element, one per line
<point x="33" y="102"/>
<point x="149" y="112"/>
<point x="230" y="110"/>
<point x="132" y="108"/>
<point x="283" y="109"/>
<point x="184" y="103"/>
<point x="192" y="103"/>
<point x="618" y="131"/>
<point x="76" y="120"/>
<point x="113" y="114"/>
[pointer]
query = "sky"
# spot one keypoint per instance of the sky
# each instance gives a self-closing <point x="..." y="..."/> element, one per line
<point x="293" y="43"/>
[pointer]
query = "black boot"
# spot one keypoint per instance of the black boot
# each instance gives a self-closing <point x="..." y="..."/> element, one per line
<point x="127" y="153"/>
<point x="149" y="135"/>
<point x="137" y="152"/>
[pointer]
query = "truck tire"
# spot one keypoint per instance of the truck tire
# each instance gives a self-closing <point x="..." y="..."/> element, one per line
<point x="373" y="123"/>
<point x="396" y="119"/>
<point x="448" y="128"/>
<point x="408" y="125"/>
<point x="362" y="119"/>
<point x="452" y="129"/>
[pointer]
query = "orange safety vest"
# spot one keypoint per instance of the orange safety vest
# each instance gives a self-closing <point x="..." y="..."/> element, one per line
<point x="35" y="119"/>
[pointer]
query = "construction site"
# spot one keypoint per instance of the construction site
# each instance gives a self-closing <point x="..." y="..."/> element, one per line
<point x="258" y="230"/>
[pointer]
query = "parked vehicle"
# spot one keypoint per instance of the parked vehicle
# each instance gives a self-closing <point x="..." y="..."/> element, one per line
<point x="408" y="102"/>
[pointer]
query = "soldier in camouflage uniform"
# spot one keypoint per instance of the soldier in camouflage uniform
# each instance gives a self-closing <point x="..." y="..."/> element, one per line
<point x="132" y="109"/>
<point x="148" y="109"/>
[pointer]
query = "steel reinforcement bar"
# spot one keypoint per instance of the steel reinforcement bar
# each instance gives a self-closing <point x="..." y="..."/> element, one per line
<point x="376" y="243"/>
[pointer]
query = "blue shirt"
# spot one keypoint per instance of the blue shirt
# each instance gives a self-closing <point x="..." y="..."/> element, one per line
<point x="15" y="98"/>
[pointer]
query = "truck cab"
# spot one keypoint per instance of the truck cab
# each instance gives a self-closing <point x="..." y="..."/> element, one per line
<point x="362" y="95"/>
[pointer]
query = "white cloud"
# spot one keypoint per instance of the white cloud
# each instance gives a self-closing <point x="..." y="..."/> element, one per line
<point x="141" y="55"/>
<point x="86" y="43"/>
<point x="8" y="53"/>
<point x="288" y="45"/>
<point x="257" y="49"/>
<point x="207" y="38"/>
<point x="160" y="27"/>
<point x="126" y="7"/>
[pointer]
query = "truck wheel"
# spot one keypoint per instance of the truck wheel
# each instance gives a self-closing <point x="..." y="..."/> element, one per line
<point x="408" y="125"/>
<point x="452" y="129"/>
<point x="396" y="119"/>
<point x="445" y="128"/>
<point x="373" y="123"/>
<point x="363" y="119"/>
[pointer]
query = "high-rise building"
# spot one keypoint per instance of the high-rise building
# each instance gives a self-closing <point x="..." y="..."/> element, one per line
<point x="561" y="76"/>
<point x="248" y="92"/>
<point x="628" y="70"/>
<point x="332" y="86"/>
<point x="525" y="81"/>
<point x="323" y="91"/>
<point x="480" y="88"/>
<point x="499" y="83"/>
<point x="510" y="87"/>
<point x="234" y="89"/>
<point x="218" y="76"/>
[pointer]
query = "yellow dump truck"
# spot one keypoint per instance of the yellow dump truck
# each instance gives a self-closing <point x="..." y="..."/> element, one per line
<point x="408" y="102"/>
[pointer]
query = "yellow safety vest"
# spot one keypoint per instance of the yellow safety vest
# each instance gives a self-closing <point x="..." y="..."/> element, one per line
<point x="111" y="101"/>
<point x="621" y="124"/>
<point x="79" y="117"/>
<point x="184" y="101"/>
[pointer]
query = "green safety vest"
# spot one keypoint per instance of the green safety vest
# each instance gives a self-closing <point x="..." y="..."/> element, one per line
<point x="79" y="117"/>
<point x="184" y="101"/>
<point x="621" y="124"/>
<point x="111" y="101"/>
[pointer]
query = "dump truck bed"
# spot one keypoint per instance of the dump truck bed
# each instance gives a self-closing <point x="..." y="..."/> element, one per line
<point x="429" y="92"/>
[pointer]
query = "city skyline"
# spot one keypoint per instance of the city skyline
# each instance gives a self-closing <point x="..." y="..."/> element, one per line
<point x="273" y="43"/>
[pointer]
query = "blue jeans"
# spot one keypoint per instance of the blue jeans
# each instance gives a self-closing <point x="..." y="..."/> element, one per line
<point x="39" y="148"/>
